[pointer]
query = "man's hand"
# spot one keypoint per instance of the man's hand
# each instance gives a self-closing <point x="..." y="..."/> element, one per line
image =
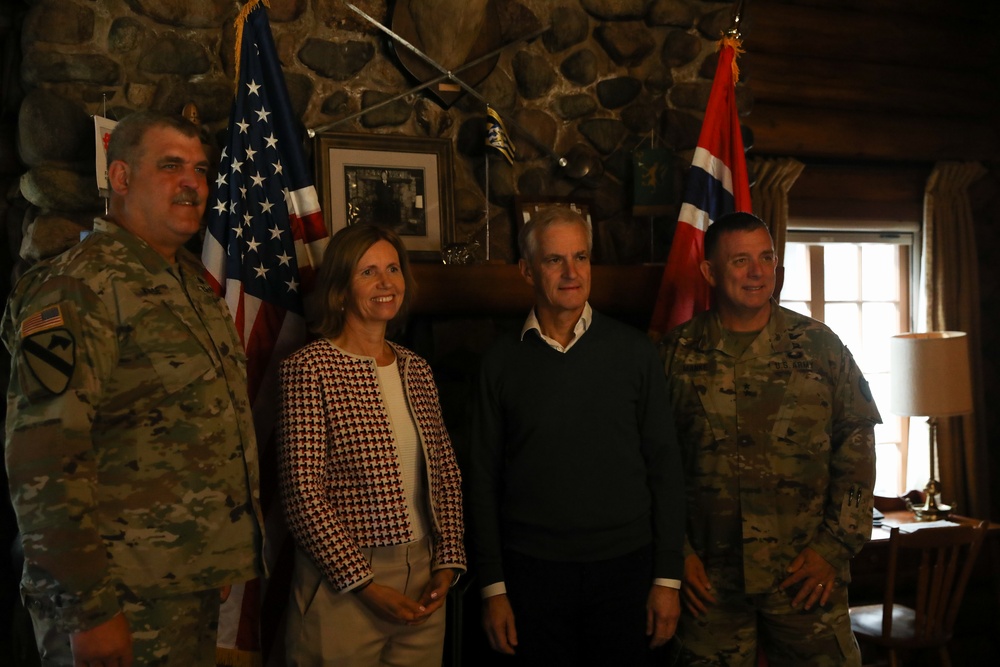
<point x="697" y="588"/>
<point x="498" y="623"/>
<point x="817" y="577"/>
<point x="663" y="608"/>
<point x="391" y="605"/>
<point x="436" y="591"/>
<point x="109" y="643"/>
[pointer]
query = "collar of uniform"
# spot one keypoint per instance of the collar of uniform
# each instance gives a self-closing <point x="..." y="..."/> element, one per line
<point x="152" y="260"/>
<point x="711" y="337"/>
<point x="581" y="325"/>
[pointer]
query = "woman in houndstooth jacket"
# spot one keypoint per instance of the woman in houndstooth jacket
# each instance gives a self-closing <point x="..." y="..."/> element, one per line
<point x="367" y="472"/>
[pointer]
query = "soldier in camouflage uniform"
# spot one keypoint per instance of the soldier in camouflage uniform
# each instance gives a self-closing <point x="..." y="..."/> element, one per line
<point x="130" y="444"/>
<point x="776" y="424"/>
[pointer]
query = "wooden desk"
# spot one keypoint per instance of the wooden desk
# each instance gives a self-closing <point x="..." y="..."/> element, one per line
<point x="868" y="567"/>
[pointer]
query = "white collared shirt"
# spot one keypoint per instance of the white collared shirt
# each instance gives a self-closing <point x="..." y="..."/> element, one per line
<point x="581" y="328"/>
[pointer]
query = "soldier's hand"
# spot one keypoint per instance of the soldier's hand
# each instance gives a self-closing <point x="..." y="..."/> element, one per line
<point x="697" y="589"/>
<point x="106" y="645"/>
<point x="817" y="576"/>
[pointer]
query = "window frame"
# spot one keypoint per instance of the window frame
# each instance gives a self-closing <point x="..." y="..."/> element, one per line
<point x="907" y="235"/>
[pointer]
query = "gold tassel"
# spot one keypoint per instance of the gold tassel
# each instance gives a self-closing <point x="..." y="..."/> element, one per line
<point x="737" y="45"/>
<point x="231" y="657"/>
<point x="239" y="23"/>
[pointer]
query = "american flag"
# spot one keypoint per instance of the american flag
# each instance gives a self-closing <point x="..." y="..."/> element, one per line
<point x="716" y="184"/>
<point x="265" y="239"/>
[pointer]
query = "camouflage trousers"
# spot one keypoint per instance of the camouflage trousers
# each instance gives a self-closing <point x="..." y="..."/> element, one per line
<point x="175" y="630"/>
<point x="728" y="635"/>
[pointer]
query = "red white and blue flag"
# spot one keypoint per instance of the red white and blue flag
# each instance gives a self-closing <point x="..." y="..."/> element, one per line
<point x="716" y="184"/>
<point x="264" y="242"/>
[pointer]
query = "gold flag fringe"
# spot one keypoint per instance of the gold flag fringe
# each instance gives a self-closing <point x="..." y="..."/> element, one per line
<point x="231" y="657"/>
<point x="238" y="24"/>
<point x="737" y="45"/>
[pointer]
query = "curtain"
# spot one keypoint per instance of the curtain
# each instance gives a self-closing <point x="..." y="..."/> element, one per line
<point x="773" y="178"/>
<point x="951" y="280"/>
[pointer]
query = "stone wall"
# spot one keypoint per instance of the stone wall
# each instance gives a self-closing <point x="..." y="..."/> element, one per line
<point x="609" y="76"/>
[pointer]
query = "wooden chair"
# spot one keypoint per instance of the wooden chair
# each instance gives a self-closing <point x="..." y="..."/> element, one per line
<point x="945" y="558"/>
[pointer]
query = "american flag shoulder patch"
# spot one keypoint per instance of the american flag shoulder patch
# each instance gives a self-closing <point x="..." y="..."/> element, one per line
<point x="47" y="318"/>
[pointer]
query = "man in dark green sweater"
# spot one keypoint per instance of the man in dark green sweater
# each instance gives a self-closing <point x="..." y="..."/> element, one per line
<point x="575" y="488"/>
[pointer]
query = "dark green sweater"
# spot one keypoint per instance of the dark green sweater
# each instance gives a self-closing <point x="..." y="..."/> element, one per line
<point x="574" y="455"/>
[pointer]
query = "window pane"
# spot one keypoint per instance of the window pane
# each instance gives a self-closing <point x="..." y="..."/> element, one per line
<point x="797" y="279"/>
<point x="880" y="322"/>
<point x="886" y="470"/>
<point x="891" y="430"/>
<point x="918" y="461"/>
<point x="845" y="320"/>
<point x="880" y="276"/>
<point x="798" y="307"/>
<point x="840" y="271"/>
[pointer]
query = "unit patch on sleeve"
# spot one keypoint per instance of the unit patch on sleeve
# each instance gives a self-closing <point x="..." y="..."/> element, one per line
<point x="49" y="349"/>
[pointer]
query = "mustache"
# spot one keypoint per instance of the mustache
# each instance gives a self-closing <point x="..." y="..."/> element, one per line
<point x="188" y="196"/>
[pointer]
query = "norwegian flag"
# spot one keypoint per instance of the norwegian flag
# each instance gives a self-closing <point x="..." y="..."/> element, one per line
<point x="716" y="184"/>
<point x="264" y="242"/>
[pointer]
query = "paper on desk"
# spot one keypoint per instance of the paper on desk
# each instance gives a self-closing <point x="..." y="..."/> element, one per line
<point x="919" y="525"/>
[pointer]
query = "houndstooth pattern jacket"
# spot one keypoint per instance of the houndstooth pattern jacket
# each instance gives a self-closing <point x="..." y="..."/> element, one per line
<point x="338" y="470"/>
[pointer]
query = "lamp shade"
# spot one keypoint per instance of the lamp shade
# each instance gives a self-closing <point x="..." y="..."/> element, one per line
<point x="930" y="374"/>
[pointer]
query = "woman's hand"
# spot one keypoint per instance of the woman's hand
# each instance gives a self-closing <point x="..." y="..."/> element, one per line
<point x="393" y="606"/>
<point x="436" y="590"/>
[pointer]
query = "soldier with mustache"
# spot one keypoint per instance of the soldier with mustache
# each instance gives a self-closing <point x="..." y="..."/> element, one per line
<point x="129" y="439"/>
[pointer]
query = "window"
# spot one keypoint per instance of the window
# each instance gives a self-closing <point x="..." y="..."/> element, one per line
<point x="861" y="283"/>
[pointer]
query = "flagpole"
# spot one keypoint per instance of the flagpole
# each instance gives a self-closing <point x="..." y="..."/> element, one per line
<point x="486" y="202"/>
<point x="734" y="30"/>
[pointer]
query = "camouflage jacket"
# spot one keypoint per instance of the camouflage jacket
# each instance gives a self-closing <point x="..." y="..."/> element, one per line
<point x="129" y="439"/>
<point x="778" y="445"/>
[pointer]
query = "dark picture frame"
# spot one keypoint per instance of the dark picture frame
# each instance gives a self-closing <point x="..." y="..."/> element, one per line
<point x="404" y="183"/>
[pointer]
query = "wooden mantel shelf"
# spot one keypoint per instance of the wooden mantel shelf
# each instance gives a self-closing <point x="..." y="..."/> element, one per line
<point x="627" y="292"/>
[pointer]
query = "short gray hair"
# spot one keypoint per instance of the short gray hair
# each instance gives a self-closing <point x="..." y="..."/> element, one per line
<point x="527" y="239"/>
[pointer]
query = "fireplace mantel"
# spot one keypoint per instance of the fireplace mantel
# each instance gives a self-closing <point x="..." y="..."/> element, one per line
<point x="626" y="292"/>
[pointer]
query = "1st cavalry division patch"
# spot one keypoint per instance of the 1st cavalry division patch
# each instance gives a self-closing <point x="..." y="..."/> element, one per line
<point x="49" y="349"/>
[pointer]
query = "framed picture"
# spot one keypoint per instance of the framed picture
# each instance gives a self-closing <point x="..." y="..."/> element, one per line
<point x="403" y="183"/>
<point x="525" y="207"/>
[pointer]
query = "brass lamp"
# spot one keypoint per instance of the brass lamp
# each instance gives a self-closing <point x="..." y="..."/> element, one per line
<point x="930" y="378"/>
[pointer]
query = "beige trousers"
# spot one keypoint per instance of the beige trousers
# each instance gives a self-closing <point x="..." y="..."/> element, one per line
<point x="332" y="629"/>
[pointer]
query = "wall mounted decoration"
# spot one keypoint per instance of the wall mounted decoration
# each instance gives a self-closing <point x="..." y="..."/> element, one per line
<point x="404" y="183"/>
<point x="451" y="34"/>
